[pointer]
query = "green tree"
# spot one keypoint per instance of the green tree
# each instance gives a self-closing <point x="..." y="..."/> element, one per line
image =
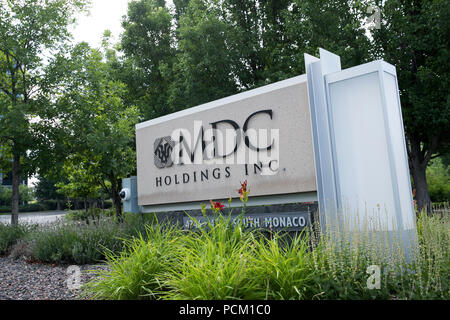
<point x="81" y="181"/>
<point x="228" y="46"/>
<point x="258" y="40"/>
<point x="5" y="196"/>
<point x="26" y="195"/>
<point x="222" y="47"/>
<point x="5" y="154"/>
<point x="29" y="29"/>
<point x="338" y="26"/>
<point x="97" y="127"/>
<point x="46" y="189"/>
<point x="148" y="44"/>
<point x="414" y="37"/>
<point x="203" y="70"/>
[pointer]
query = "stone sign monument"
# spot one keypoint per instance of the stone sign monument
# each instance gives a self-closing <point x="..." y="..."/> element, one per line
<point x="262" y="136"/>
<point x="332" y="136"/>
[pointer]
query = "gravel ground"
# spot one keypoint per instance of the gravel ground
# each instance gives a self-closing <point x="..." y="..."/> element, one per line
<point x="21" y="280"/>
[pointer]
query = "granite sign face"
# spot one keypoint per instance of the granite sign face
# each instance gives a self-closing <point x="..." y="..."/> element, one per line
<point x="205" y="152"/>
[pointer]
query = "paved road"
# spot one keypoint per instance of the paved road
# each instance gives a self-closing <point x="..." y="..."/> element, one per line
<point x="41" y="217"/>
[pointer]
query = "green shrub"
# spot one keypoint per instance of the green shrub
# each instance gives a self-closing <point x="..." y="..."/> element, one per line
<point x="217" y="263"/>
<point x="90" y="215"/>
<point x="220" y="261"/>
<point x="5" y="209"/>
<point x="53" y="204"/>
<point x="79" y="243"/>
<point x="340" y="267"/>
<point x="212" y="263"/>
<point x="9" y="235"/>
<point x="86" y="238"/>
<point x="282" y="267"/>
<point x="34" y="207"/>
<point x="432" y="261"/>
<point x="138" y="271"/>
<point x="55" y="243"/>
<point x="438" y="178"/>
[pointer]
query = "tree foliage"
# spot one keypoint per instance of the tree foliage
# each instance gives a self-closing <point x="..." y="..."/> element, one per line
<point x="208" y="49"/>
<point x="29" y="30"/>
<point x="26" y="194"/>
<point x="147" y="42"/>
<point x="97" y="128"/>
<point x="414" y="37"/>
<point x="45" y="189"/>
<point x="213" y="49"/>
<point x="171" y="57"/>
<point x="438" y="177"/>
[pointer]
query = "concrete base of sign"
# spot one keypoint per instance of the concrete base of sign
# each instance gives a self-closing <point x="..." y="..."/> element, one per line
<point x="261" y="212"/>
<point x="236" y="203"/>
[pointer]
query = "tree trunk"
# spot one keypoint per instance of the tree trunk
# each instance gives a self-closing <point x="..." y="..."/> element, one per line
<point x="418" y="167"/>
<point x="15" y="191"/>
<point x="115" y="186"/>
<point x="420" y="183"/>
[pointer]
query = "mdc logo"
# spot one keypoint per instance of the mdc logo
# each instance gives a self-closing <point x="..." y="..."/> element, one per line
<point x="163" y="150"/>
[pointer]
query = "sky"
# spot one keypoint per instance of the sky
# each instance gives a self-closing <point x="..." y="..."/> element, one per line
<point x="104" y="14"/>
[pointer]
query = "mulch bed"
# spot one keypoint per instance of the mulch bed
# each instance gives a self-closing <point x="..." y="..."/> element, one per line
<point x="26" y="280"/>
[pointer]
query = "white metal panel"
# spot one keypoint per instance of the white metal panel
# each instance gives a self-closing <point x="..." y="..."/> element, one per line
<point x="325" y="181"/>
<point x="399" y="154"/>
<point x="361" y="153"/>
